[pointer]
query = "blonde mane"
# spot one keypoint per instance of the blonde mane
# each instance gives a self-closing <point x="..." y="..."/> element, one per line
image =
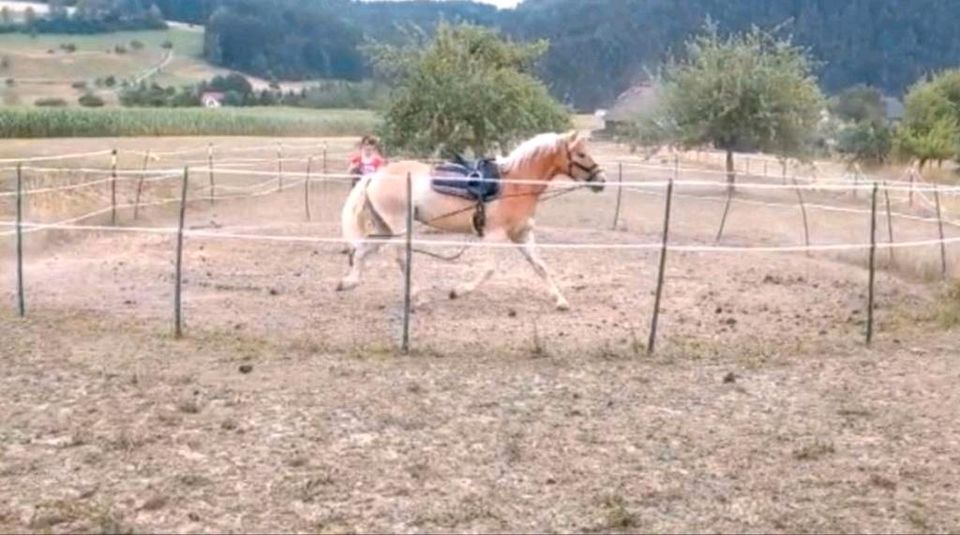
<point x="529" y="150"/>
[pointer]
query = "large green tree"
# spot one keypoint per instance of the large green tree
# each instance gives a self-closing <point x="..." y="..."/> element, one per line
<point x="746" y="91"/>
<point x="467" y="88"/>
<point x="930" y="130"/>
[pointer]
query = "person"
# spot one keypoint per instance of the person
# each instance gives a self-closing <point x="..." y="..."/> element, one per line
<point x="368" y="160"/>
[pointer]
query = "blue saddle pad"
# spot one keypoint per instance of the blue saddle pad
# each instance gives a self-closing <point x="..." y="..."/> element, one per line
<point x="475" y="181"/>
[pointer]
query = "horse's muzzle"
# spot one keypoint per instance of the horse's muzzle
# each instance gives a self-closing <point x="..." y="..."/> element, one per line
<point x="598" y="182"/>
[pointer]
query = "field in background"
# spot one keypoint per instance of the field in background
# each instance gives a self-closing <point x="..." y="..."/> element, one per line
<point x="267" y="121"/>
<point x="39" y="68"/>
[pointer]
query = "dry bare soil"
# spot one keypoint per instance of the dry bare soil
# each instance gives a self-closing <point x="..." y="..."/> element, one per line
<point x="286" y="406"/>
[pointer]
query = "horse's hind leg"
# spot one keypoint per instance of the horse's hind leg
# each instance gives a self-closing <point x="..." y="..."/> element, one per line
<point x="358" y="253"/>
<point x="359" y="248"/>
<point x="529" y="251"/>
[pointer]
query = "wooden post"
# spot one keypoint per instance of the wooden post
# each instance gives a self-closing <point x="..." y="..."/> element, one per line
<point x="886" y="196"/>
<point x="279" y="167"/>
<point x="803" y="212"/>
<point x="746" y="165"/>
<point x="943" y="245"/>
<point x="616" y="211"/>
<point x="408" y="268"/>
<point x="113" y="187"/>
<point x="651" y="344"/>
<point x="323" y="183"/>
<point x="764" y="168"/>
<point x="873" y="262"/>
<point x="143" y="176"/>
<point x="306" y="188"/>
<point x="21" y="302"/>
<point x="913" y="177"/>
<point x="213" y="185"/>
<point x="726" y="212"/>
<point x="177" y="302"/>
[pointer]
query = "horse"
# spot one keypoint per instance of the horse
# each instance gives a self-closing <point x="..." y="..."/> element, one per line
<point x="379" y="203"/>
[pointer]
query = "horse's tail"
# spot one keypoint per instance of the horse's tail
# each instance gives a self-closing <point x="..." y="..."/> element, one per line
<point x="353" y="218"/>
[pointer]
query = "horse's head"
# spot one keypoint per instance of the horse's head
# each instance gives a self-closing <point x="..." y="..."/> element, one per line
<point x="580" y="165"/>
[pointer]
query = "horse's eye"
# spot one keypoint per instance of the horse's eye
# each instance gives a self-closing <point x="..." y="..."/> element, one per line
<point x="581" y="155"/>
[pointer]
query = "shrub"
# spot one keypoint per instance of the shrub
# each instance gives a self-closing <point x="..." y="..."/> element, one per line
<point x="11" y="82"/>
<point x="136" y="45"/>
<point x="167" y="45"/>
<point x="5" y="62"/>
<point x="120" y="49"/>
<point x="89" y="100"/>
<point x="68" y="47"/>
<point x="50" y="103"/>
<point x="110" y="81"/>
<point x="79" y="85"/>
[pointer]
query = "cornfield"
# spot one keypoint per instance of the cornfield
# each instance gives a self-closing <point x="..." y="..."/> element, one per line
<point x="79" y="122"/>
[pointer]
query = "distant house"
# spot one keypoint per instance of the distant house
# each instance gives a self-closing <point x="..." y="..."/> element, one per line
<point x="632" y="103"/>
<point x="212" y="99"/>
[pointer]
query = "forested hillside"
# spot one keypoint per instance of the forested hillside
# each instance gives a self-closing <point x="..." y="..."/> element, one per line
<point x="598" y="47"/>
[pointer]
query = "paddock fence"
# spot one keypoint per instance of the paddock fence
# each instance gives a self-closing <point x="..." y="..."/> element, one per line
<point x="210" y="175"/>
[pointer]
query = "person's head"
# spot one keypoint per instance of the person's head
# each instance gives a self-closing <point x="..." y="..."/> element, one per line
<point x="369" y="146"/>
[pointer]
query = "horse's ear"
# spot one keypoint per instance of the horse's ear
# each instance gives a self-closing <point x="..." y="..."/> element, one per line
<point x="575" y="138"/>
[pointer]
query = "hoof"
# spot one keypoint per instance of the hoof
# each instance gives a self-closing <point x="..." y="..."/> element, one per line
<point x="343" y="286"/>
<point x="453" y="294"/>
<point x="563" y="306"/>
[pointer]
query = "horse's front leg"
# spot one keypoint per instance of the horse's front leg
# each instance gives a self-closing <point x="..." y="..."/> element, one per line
<point x="489" y="268"/>
<point x="528" y="249"/>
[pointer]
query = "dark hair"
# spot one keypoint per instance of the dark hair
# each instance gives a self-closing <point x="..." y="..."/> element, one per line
<point x="369" y="140"/>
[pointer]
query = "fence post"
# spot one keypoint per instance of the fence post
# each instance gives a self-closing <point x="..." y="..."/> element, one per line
<point x="886" y="196"/>
<point x="616" y="211"/>
<point x="408" y="268"/>
<point x="279" y="167"/>
<point x="113" y="187"/>
<point x="913" y="177"/>
<point x="943" y="245"/>
<point x="21" y="302"/>
<point x="143" y="176"/>
<point x="856" y="182"/>
<point x="726" y="212"/>
<point x="177" y="302"/>
<point x="803" y="212"/>
<point x="213" y="185"/>
<point x="873" y="262"/>
<point x="306" y="187"/>
<point x="651" y="344"/>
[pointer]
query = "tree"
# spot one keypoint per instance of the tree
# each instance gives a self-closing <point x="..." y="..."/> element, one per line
<point x="469" y="88"/>
<point x="863" y="135"/>
<point x="859" y="104"/>
<point x="931" y="121"/>
<point x="747" y="91"/>
<point x="865" y="142"/>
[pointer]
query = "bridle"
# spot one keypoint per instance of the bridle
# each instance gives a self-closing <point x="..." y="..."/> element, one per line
<point x="592" y="171"/>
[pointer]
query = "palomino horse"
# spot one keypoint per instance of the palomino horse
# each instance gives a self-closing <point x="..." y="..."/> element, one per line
<point x="379" y="203"/>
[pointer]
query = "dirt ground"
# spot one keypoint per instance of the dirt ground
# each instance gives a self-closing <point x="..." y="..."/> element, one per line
<point x="286" y="406"/>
